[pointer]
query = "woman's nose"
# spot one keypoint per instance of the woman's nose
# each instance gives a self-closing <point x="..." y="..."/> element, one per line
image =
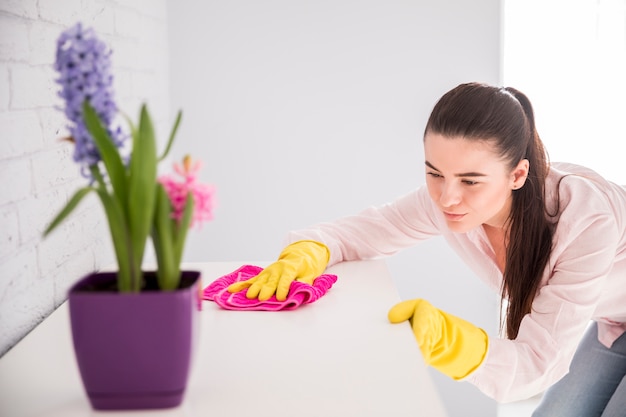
<point x="450" y="195"/>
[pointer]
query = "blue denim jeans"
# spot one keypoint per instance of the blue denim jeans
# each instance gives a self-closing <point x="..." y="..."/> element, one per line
<point x="595" y="385"/>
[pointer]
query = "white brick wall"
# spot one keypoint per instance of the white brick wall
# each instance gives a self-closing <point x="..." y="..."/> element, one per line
<point x="36" y="169"/>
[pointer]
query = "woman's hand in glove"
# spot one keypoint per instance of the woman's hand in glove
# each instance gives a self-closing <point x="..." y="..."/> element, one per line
<point x="304" y="261"/>
<point x="452" y="345"/>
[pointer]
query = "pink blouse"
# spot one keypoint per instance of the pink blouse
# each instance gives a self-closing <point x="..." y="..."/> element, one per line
<point x="585" y="278"/>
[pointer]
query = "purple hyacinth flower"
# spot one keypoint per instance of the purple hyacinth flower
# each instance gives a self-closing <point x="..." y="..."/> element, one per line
<point x="84" y="66"/>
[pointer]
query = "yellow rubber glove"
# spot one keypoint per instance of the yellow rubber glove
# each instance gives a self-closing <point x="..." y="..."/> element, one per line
<point x="304" y="261"/>
<point x="449" y="344"/>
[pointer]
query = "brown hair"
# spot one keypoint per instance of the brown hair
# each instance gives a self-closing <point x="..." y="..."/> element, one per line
<point x="504" y="117"/>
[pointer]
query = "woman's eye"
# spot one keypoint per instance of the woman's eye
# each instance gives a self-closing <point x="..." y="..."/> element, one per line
<point x="469" y="182"/>
<point x="434" y="175"/>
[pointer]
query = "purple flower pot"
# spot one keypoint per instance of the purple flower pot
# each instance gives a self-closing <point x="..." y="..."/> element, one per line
<point x="134" y="351"/>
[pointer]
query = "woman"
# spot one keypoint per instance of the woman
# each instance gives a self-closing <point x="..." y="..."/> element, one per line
<point x="550" y="238"/>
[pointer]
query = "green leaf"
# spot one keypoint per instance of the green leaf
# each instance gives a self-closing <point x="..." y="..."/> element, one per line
<point x="168" y="272"/>
<point x="69" y="207"/>
<point x="127" y="272"/>
<point x="141" y="187"/>
<point x="131" y="124"/>
<point x="133" y="128"/>
<point x="109" y="153"/>
<point x="116" y="217"/>
<point x="172" y="135"/>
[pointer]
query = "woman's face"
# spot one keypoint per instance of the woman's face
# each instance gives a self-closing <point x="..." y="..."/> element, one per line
<point x="469" y="182"/>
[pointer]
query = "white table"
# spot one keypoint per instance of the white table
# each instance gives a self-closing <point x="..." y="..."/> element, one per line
<point x="337" y="357"/>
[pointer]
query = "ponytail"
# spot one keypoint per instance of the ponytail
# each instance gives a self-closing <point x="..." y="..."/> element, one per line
<point x="530" y="231"/>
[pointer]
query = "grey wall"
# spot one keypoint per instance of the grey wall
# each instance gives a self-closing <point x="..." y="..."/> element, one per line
<point x="305" y="111"/>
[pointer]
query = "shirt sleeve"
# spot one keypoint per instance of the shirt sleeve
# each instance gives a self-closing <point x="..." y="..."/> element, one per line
<point x="584" y="250"/>
<point x="376" y="231"/>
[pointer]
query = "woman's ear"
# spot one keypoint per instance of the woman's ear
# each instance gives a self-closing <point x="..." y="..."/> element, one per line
<point x="519" y="174"/>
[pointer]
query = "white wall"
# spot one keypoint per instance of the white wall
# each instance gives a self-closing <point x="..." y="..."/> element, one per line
<point x="305" y="111"/>
<point x="581" y="46"/>
<point x="36" y="170"/>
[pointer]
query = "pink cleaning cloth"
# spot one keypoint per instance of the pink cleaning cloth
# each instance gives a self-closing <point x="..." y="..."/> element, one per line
<point x="299" y="293"/>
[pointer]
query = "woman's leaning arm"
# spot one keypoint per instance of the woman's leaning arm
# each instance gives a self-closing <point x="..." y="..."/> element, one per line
<point x="376" y="231"/>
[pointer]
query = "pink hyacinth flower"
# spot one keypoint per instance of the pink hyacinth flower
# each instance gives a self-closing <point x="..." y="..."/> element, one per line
<point x="177" y="189"/>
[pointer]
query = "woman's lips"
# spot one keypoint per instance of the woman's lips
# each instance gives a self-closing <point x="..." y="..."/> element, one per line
<point x="453" y="216"/>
